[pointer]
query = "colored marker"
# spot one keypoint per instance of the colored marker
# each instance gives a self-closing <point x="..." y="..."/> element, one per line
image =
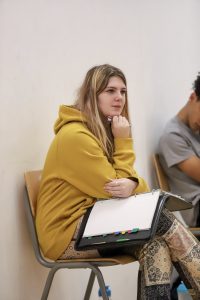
<point x="123" y="240"/>
<point x="98" y="243"/>
<point x="117" y="233"/>
<point x="134" y="230"/>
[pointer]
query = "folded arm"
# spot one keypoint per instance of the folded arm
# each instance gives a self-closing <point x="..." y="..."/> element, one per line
<point x="191" y="167"/>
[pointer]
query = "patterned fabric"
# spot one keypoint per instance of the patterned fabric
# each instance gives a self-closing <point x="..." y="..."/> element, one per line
<point x="159" y="291"/>
<point x="172" y="245"/>
<point x="71" y="253"/>
<point x="156" y="261"/>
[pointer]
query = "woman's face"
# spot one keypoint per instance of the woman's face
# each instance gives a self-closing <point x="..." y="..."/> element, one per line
<point x="112" y="99"/>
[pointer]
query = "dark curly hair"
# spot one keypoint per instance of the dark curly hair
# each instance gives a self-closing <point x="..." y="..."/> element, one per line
<point x="196" y="86"/>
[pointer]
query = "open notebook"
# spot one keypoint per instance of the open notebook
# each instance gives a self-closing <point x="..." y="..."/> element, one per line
<point x="131" y="220"/>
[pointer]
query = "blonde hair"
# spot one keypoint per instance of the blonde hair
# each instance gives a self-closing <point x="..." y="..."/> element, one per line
<point x="96" y="80"/>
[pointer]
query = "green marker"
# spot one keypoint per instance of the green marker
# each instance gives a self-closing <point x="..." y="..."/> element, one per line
<point x="123" y="240"/>
<point x="134" y="230"/>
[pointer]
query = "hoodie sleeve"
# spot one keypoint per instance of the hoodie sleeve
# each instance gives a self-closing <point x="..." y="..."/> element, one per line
<point x="83" y="164"/>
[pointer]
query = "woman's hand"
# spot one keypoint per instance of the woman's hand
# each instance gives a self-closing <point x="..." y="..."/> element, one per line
<point x="120" y="127"/>
<point x="122" y="187"/>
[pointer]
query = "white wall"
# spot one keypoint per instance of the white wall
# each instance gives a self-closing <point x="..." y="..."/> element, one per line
<point x="46" y="47"/>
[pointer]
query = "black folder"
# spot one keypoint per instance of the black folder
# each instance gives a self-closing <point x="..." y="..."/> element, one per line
<point x="131" y="235"/>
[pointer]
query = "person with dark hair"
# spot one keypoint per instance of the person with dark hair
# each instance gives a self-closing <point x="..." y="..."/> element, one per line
<point x="196" y="86"/>
<point x="91" y="158"/>
<point x="179" y="150"/>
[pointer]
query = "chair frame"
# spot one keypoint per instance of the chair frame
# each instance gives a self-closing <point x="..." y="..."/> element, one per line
<point x="164" y="185"/>
<point x="55" y="266"/>
<point x="93" y="264"/>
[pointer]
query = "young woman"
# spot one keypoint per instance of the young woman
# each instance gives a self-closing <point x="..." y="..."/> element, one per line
<point x="92" y="157"/>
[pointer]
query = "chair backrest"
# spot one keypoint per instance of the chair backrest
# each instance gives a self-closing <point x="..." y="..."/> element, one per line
<point x="160" y="174"/>
<point x="32" y="181"/>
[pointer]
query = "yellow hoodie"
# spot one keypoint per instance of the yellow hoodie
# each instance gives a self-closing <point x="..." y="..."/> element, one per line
<point x="74" y="175"/>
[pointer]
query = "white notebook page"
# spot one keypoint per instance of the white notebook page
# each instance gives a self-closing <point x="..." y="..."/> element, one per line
<point x="112" y="215"/>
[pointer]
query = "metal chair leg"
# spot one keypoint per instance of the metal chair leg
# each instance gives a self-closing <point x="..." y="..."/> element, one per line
<point x="89" y="286"/>
<point x="48" y="283"/>
<point x="94" y="271"/>
<point x="101" y="282"/>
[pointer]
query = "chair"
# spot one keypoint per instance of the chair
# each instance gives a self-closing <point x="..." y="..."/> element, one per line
<point x="164" y="185"/>
<point x="32" y="181"/>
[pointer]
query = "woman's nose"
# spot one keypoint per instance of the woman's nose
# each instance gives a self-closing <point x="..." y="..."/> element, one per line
<point x="118" y="96"/>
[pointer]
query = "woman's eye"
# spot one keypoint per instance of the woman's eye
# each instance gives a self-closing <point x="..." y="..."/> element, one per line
<point x="110" y="91"/>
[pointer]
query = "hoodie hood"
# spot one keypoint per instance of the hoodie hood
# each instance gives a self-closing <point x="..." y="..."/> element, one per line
<point x="66" y="115"/>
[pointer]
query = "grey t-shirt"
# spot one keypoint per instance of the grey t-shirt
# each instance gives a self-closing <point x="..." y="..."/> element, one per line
<point x="177" y="144"/>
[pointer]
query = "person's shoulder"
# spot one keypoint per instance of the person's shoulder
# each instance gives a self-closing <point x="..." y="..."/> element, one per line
<point x="171" y="133"/>
<point x="173" y="126"/>
<point x="176" y="129"/>
<point x="173" y="130"/>
<point x="74" y="128"/>
<point x="76" y="133"/>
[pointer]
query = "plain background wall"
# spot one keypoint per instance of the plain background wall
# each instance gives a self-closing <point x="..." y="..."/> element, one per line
<point x="45" y="50"/>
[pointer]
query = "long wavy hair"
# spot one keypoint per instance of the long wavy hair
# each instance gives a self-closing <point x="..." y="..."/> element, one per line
<point x="96" y="80"/>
